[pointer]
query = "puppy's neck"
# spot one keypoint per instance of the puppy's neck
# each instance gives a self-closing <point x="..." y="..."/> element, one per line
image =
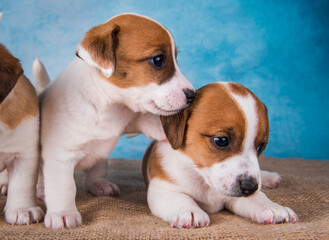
<point x="89" y="83"/>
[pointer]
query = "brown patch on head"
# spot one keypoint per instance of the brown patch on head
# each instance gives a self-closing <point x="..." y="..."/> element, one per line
<point x="130" y="50"/>
<point x="152" y="167"/>
<point x="213" y="113"/>
<point x="263" y="127"/>
<point x="263" y="124"/>
<point x="21" y="104"/>
<point x="10" y="71"/>
<point x="100" y="43"/>
<point x="238" y="89"/>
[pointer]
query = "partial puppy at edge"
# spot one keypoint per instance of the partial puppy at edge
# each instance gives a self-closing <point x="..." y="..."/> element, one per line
<point x="19" y="142"/>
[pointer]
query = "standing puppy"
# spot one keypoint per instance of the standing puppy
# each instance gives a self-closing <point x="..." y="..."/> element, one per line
<point x="19" y="141"/>
<point x="211" y="161"/>
<point x="124" y="76"/>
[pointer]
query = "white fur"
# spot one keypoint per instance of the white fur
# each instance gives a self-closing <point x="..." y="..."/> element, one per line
<point x="191" y="192"/>
<point x="40" y="74"/>
<point x="83" y="117"/>
<point x="270" y="179"/>
<point x="19" y="156"/>
<point x="84" y="54"/>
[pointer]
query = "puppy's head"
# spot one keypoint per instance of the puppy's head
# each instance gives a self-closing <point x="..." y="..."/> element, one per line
<point x="10" y="71"/>
<point x="224" y="131"/>
<point x="138" y="55"/>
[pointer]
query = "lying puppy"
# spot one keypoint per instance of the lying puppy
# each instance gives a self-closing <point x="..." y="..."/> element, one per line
<point x="125" y="76"/>
<point x="19" y="141"/>
<point x="211" y="161"/>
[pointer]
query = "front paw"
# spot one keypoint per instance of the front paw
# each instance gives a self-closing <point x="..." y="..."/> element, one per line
<point x="191" y="219"/>
<point x="24" y="216"/>
<point x="270" y="179"/>
<point x="275" y="214"/>
<point x="63" y="220"/>
<point x="103" y="187"/>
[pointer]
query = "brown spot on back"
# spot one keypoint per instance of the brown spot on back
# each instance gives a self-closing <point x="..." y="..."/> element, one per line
<point x="10" y="71"/>
<point x="21" y="104"/>
<point x="152" y="167"/>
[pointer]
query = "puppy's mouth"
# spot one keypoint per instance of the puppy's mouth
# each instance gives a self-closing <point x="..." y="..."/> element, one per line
<point x="163" y="111"/>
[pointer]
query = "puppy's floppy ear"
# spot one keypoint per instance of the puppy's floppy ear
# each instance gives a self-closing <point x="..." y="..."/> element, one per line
<point x="97" y="48"/>
<point x="10" y="71"/>
<point x="174" y="127"/>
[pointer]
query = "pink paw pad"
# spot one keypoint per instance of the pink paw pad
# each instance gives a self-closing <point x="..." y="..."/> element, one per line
<point x="268" y="221"/>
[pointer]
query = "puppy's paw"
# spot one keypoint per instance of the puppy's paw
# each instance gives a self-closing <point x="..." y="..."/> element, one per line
<point x="103" y="188"/>
<point x="63" y="220"/>
<point x="24" y="216"/>
<point x="275" y="214"/>
<point x="3" y="188"/>
<point x="191" y="219"/>
<point x="270" y="179"/>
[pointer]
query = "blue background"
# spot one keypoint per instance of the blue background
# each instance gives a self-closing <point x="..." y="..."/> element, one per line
<point x="279" y="49"/>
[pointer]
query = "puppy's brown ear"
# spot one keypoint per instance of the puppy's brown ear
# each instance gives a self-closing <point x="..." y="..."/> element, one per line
<point x="10" y="71"/>
<point x="174" y="127"/>
<point x="97" y="48"/>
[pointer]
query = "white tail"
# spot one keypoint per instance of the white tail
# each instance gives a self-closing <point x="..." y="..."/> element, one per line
<point x="40" y="75"/>
<point x="1" y="16"/>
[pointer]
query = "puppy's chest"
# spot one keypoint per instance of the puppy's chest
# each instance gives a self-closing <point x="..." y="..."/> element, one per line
<point x="109" y="122"/>
<point x="5" y="158"/>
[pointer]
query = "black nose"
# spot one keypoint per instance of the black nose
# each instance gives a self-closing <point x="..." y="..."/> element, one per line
<point x="190" y="95"/>
<point x="248" y="186"/>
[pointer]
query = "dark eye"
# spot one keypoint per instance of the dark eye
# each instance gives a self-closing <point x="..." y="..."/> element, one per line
<point x="157" y="60"/>
<point x="221" y="142"/>
<point x="260" y="148"/>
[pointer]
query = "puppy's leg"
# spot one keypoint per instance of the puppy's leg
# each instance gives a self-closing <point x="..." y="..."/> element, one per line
<point x="260" y="209"/>
<point x="40" y="189"/>
<point x="21" y="207"/>
<point x="270" y="179"/>
<point x="177" y="208"/>
<point x="60" y="191"/>
<point x="3" y="182"/>
<point x="96" y="182"/>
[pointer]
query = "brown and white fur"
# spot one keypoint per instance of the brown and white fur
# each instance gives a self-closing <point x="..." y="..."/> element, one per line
<point x="19" y="141"/>
<point x="125" y="76"/>
<point x="211" y="161"/>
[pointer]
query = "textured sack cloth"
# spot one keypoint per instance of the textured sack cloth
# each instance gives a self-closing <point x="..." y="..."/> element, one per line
<point x="304" y="188"/>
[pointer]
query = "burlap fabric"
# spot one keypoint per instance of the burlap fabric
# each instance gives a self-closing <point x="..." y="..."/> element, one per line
<point x="304" y="188"/>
